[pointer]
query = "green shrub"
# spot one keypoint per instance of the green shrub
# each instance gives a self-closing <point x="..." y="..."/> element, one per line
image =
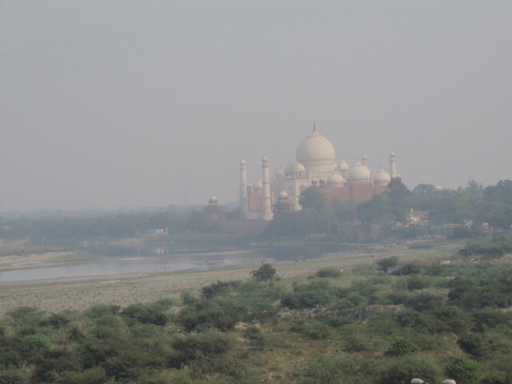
<point x="219" y="288"/>
<point x="27" y="315"/>
<point x="101" y="310"/>
<point x="462" y="369"/>
<point x="402" y="370"/>
<point x="14" y="376"/>
<point x="207" y="314"/>
<point x="415" y="320"/>
<point x="424" y="301"/>
<point x="37" y="342"/>
<point x="388" y="262"/>
<point x="451" y="319"/>
<point x="195" y="346"/>
<point x="312" y="329"/>
<point x="96" y="375"/>
<point x="408" y="269"/>
<point x="329" y="272"/>
<point x="146" y="314"/>
<point x="264" y="273"/>
<point x="491" y="317"/>
<point x="400" y="347"/>
<point x="417" y="283"/>
<point x="316" y="294"/>
<point x="322" y="369"/>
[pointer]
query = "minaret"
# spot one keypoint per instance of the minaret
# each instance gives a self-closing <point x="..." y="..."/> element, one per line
<point x="266" y="214"/>
<point x="392" y="165"/>
<point x="364" y="160"/>
<point x="244" y="202"/>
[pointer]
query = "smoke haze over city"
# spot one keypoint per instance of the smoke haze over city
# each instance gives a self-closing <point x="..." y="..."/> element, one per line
<point x="127" y="103"/>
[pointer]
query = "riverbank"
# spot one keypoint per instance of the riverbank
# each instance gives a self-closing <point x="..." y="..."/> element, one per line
<point x="42" y="260"/>
<point x="80" y="293"/>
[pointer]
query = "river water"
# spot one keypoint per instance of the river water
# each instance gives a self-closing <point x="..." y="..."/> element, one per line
<point x="119" y="260"/>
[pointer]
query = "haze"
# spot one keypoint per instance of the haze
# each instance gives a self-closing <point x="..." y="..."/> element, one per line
<point x="131" y="103"/>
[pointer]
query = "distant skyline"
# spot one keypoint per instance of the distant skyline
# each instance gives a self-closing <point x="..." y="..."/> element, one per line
<point x="135" y="104"/>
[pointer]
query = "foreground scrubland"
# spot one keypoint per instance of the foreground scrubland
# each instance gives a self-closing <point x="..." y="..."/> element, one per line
<point x="361" y="325"/>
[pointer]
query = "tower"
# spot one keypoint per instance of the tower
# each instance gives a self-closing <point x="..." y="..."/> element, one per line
<point x="266" y="214"/>
<point x="244" y="203"/>
<point x="392" y="165"/>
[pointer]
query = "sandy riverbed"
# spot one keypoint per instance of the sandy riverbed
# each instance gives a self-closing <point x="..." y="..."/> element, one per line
<point x="81" y="293"/>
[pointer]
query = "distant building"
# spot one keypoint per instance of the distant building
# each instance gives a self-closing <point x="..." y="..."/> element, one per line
<point x="316" y="166"/>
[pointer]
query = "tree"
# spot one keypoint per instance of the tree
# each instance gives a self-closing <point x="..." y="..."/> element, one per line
<point x="388" y="262"/>
<point x="264" y="273"/>
<point x="462" y="369"/>
<point x="398" y="191"/>
<point x="423" y="189"/>
<point x="312" y="197"/>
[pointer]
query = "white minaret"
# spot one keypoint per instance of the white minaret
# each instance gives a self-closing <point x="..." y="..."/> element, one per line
<point x="392" y="165"/>
<point x="364" y="160"/>
<point x="244" y="203"/>
<point x="266" y="214"/>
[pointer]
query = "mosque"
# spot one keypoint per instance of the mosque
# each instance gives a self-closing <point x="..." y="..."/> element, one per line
<point x="316" y="166"/>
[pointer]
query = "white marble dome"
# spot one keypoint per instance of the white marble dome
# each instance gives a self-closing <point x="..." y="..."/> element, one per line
<point x="299" y="168"/>
<point x="335" y="180"/>
<point x="343" y="166"/>
<point x="317" y="154"/>
<point x="360" y="173"/>
<point x="258" y="184"/>
<point x="381" y="179"/>
<point x="437" y="188"/>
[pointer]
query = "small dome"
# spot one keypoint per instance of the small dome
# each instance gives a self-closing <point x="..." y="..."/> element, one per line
<point x="437" y="188"/>
<point x="364" y="160"/>
<point x="213" y="200"/>
<point x="315" y="149"/>
<point x="242" y="161"/>
<point x="343" y="166"/>
<point x="382" y="178"/>
<point x="335" y="180"/>
<point x="258" y="184"/>
<point x="289" y="168"/>
<point x="280" y="171"/>
<point x="283" y="195"/>
<point x="359" y="172"/>
<point x="299" y="168"/>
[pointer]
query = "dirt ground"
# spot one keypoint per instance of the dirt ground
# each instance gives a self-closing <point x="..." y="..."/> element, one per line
<point x="81" y="293"/>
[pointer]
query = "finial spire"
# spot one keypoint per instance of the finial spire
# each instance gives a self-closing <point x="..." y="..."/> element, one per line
<point x="314" y="126"/>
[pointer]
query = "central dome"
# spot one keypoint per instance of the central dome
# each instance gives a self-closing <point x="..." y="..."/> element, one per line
<point x="316" y="150"/>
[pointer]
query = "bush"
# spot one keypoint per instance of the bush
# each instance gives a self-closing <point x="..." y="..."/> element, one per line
<point x="402" y="370"/>
<point x="329" y="272"/>
<point x="145" y="314"/>
<point x="424" y="301"/>
<point x="316" y="294"/>
<point x="264" y="273"/>
<point x="102" y="310"/>
<point x="195" y="346"/>
<point x="207" y="314"/>
<point x="462" y="369"/>
<point x="388" y="262"/>
<point x="322" y="369"/>
<point x="400" y="347"/>
<point x="14" y="377"/>
<point x="408" y="269"/>
<point x="219" y="288"/>
<point x="416" y="283"/>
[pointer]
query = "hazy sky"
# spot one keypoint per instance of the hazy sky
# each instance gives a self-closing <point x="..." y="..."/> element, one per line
<point x="144" y="103"/>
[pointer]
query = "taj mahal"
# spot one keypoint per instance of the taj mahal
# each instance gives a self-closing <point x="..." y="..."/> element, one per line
<point x="316" y="166"/>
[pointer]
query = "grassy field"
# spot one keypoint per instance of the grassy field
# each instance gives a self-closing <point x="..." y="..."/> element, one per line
<point x="123" y="290"/>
